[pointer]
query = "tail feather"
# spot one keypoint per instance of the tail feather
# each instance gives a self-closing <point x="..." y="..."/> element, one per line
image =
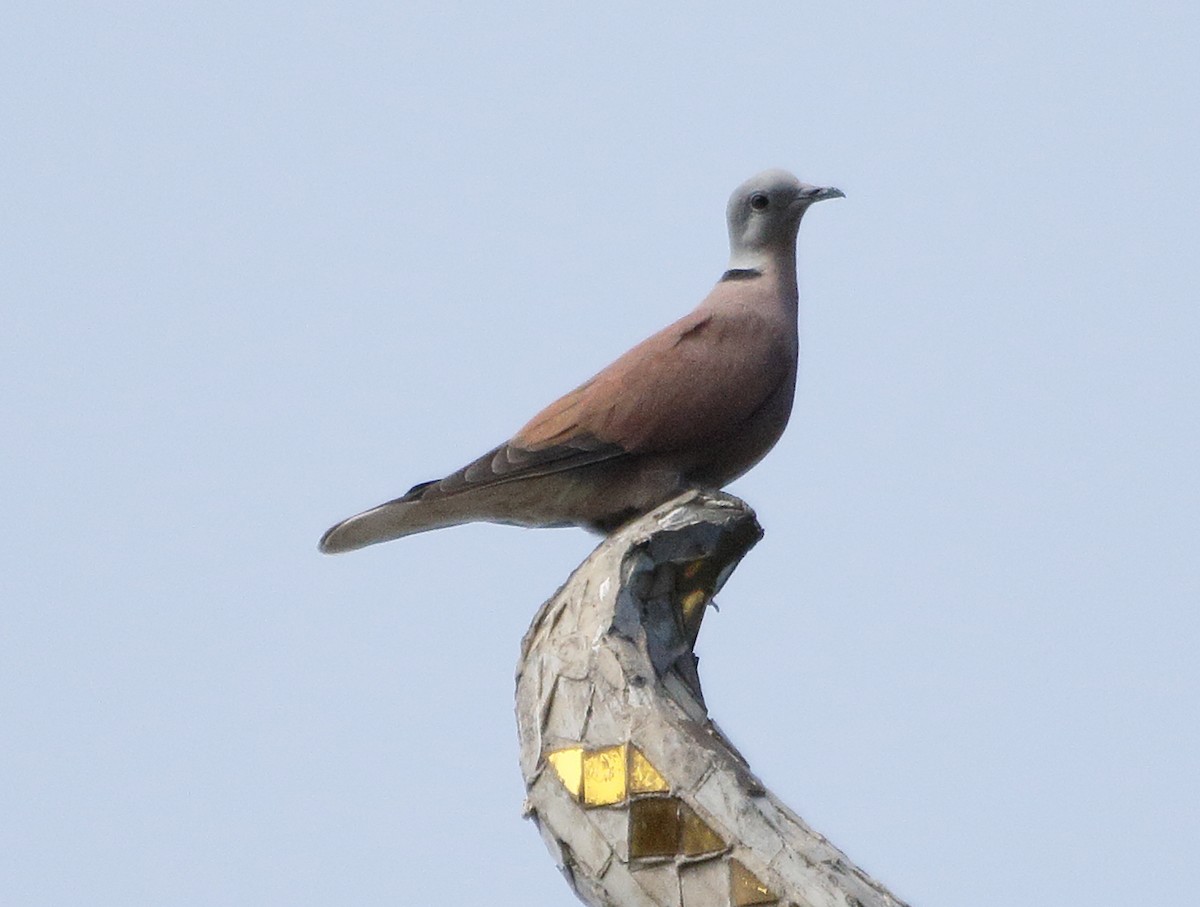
<point x="393" y="520"/>
<point x="566" y="498"/>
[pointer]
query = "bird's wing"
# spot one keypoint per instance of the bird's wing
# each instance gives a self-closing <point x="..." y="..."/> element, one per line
<point x="696" y="381"/>
<point x="511" y="461"/>
<point x="691" y="384"/>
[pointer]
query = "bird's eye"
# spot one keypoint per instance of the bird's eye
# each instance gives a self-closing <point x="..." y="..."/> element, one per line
<point x="759" y="202"/>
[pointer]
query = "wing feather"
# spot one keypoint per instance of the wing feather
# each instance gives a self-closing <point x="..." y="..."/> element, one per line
<point x="693" y="383"/>
<point x="698" y="380"/>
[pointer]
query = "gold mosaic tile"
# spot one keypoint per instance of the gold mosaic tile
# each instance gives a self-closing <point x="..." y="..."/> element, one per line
<point x="653" y="827"/>
<point x="568" y="765"/>
<point x="696" y="837"/>
<point x="604" y="776"/>
<point x="644" y="778"/>
<point x="747" y="889"/>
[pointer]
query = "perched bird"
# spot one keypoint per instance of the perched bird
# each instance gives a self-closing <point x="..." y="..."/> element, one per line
<point x="693" y="406"/>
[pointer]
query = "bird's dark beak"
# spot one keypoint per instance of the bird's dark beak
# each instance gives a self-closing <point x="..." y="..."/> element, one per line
<point x="811" y="194"/>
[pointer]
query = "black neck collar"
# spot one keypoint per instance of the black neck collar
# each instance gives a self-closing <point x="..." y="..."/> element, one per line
<point x="741" y="274"/>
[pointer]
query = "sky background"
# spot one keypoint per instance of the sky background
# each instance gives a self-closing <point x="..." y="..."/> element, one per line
<point x="265" y="265"/>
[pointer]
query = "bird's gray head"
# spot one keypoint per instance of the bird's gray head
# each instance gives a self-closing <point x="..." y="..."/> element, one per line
<point x="764" y="214"/>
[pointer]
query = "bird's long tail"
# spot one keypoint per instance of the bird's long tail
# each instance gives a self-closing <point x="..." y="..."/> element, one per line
<point x="405" y="516"/>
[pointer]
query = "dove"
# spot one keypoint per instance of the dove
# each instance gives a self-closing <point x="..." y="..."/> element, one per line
<point x="695" y="405"/>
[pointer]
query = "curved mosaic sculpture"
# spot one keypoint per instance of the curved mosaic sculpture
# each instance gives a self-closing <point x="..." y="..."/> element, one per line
<point x="640" y="799"/>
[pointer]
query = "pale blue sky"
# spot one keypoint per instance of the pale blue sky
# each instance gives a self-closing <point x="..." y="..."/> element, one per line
<point x="264" y="265"/>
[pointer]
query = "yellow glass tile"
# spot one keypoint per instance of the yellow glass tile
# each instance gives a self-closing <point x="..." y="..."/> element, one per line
<point x="653" y="827"/>
<point x="644" y="778"/>
<point x="691" y="613"/>
<point x="691" y="603"/>
<point x="693" y="568"/>
<point x="746" y="889"/>
<point x="604" y="776"/>
<point x="568" y="765"/>
<point x="697" y="837"/>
